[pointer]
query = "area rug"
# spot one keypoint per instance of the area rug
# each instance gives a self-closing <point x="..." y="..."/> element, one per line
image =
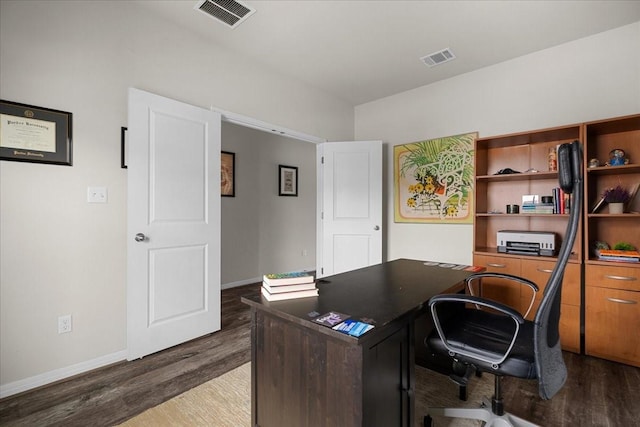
<point x="225" y="401"/>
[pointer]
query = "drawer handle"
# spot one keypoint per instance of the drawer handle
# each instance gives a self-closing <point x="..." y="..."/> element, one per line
<point x="622" y="301"/>
<point x="544" y="270"/>
<point x="496" y="265"/>
<point x="631" y="279"/>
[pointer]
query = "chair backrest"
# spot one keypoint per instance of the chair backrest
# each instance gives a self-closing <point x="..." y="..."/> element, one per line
<point x="550" y="366"/>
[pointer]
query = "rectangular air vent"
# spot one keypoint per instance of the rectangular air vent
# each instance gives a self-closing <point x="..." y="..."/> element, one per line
<point x="437" y="58"/>
<point x="230" y="12"/>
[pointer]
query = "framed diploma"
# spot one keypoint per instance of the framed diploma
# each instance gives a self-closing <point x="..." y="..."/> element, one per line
<point x="35" y="134"/>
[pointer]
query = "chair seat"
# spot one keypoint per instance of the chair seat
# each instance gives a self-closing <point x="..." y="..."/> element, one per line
<point x="488" y="334"/>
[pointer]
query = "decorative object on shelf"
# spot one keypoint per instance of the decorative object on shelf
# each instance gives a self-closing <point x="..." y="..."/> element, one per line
<point x="288" y="180"/>
<point x="624" y="246"/>
<point x="227" y="174"/>
<point x="616" y="208"/>
<point x="616" y="197"/>
<point x="35" y="134"/>
<point x="632" y="195"/>
<point x="617" y="157"/>
<point x="433" y="180"/>
<point x="594" y="163"/>
<point x="552" y="160"/>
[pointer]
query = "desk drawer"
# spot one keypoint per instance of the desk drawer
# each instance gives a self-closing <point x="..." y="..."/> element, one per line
<point x="616" y="277"/>
<point x="507" y="292"/>
<point x="540" y="271"/>
<point x="612" y="322"/>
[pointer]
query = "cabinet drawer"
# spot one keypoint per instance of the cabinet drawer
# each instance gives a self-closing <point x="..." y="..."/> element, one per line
<point x="505" y="291"/>
<point x="612" y="319"/>
<point x="617" y="277"/>
<point x="540" y="271"/>
<point x="569" y="323"/>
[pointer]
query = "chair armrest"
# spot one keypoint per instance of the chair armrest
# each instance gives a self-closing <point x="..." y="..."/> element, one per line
<point x="470" y="299"/>
<point x="514" y="315"/>
<point x="510" y="277"/>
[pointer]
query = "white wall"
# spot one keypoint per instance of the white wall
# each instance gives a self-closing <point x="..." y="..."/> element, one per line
<point x="288" y="233"/>
<point x="261" y="231"/>
<point x="60" y="255"/>
<point x="590" y="79"/>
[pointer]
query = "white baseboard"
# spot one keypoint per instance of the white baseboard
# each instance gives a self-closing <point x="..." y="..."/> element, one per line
<point x="240" y="283"/>
<point x="66" y="372"/>
<point x="59" y="374"/>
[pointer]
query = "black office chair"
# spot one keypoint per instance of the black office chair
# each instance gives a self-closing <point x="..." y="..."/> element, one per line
<point x="495" y="338"/>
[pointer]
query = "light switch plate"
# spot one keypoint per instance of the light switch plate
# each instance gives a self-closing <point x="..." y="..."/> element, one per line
<point x="97" y="194"/>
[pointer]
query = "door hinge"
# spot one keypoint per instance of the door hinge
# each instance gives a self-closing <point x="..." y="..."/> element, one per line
<point x="321" y="270"/>
<point x="321" y="215"/>
<point x="322" y="160"/>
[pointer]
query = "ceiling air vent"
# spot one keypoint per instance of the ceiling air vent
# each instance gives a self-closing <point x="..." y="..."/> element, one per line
<point x="230" y="12"/>
<point x="437" y="58"/>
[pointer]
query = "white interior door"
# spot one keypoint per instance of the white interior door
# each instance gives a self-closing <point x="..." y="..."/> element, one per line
<point x="173" y="239"/>
<point x="350" y="201"/>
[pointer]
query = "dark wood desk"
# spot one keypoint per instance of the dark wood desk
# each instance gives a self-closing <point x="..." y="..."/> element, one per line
<point x="306" y="374"/>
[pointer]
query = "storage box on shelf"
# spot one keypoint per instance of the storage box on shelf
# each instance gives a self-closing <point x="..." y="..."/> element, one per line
<point x="612" y="289"/>
<point x="528" y="153"/>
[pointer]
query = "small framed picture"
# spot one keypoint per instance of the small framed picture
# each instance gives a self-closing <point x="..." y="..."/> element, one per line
<point x="288" y="180"/>
<point x="227" y="174"/>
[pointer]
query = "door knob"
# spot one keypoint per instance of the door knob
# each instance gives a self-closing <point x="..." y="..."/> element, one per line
<point x="377" y="227"/>
<point x="140" y="237"/>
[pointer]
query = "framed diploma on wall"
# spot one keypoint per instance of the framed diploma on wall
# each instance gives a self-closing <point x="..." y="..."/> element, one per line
<point x="35" y="134"/>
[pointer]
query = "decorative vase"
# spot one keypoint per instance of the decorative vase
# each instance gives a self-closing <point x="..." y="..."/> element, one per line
<point x="616" y="208"/>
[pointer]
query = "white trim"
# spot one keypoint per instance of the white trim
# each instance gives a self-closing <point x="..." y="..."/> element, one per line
<point x="241" y="120"/>
<point x="59" y="374"/>
<point x="241" y="283"/>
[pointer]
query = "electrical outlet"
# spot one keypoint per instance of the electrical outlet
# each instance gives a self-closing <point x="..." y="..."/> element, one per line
<point x="64" y="324"/>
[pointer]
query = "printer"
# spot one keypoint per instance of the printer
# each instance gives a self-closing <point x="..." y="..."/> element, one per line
<point x="539" y="243"/>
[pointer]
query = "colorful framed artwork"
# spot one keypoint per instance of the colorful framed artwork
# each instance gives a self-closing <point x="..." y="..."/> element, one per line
<point x="288" y="181"/>
<point x="227" y="174"/>
<point x="433" y="180"/>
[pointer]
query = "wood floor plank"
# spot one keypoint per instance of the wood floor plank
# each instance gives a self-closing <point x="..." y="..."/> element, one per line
<point x="112" y="394"/>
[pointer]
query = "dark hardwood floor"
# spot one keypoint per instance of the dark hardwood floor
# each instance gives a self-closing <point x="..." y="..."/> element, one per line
<point x="113" y="394"/>
<point x="597" y="392"/>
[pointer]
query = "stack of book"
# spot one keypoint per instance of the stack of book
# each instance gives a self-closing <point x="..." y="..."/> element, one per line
<point x="538" y="208"/>
<point x="561" y="201"/>
<point x="617" y="255"/>
<point x="283" y="286"/>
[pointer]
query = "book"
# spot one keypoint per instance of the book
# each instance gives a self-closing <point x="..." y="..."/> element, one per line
<point x="331" y="318"/>
<point x="288" y="295"/>
<point x="618" y="254"/>
<point x="353" y="327"/>
<point x="599" y="204"/>
<point x="289" y="288"/>
<point x="618" y="259"/>
<point x="291" y="278"/>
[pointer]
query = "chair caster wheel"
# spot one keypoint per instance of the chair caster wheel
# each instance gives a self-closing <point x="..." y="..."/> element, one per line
<point x="428" y="422"/>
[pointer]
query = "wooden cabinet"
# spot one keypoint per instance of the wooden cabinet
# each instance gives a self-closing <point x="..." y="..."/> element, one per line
<point x="612" y="289"/>
<point x="528" y="153"/>
<point x="612" y="315"/>
<point x="539" y="271"/>
<point x="519" y="297"/>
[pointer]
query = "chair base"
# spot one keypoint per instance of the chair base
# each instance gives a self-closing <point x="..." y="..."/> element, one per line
<point x="483" y="413"/>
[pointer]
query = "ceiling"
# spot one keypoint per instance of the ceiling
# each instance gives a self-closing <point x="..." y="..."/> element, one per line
<point x="360" y="51"/>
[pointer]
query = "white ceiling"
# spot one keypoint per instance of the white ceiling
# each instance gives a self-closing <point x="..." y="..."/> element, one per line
<point x="365" y="50"/>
